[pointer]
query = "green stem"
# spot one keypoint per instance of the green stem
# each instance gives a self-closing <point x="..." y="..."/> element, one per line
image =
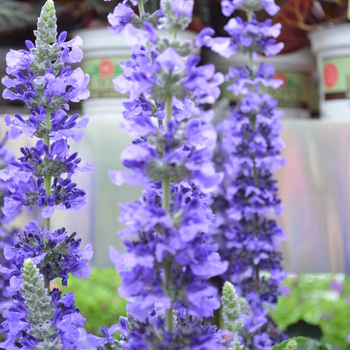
<point x="166" y="192"/>
<point x="251" y="59"/>
<point x="256" y="179"/>
<point x="235" y="337"/>
<point x="47" y="183"/>
<point x="249" y="18"/>
<point x="47" y="284"/>
<point x="47" y="178"/>
<point x="168" y="110"/>
<point x="250" y="15"/>
<point x="166" y="204"/>
<point x="169" y="313"/>
<point x="141" y="7"/>
<point x="255" y="170"/>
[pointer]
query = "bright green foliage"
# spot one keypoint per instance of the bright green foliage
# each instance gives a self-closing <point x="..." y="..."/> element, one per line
<point x="97" y="298"/>
<point x="39" y="306"/>
<point x="290" y="344"/>
<point x="312" y="299"/>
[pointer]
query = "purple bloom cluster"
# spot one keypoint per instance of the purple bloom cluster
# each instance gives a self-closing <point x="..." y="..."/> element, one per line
<point x="66" y="319"/>
<point x="186" y="243"/>
<point x="124" y="14"/>
<point x="165" y="272"/>
<point x="249" y="153"/>
<point x="6" y="232"/>
<point x="190" y="334"/>
<point x="57" y="253"/>
<point x="42" y="177"/>
<point x="252" y="36"/>
<point x="229" y="6"/>
<point x="46" y="88"/>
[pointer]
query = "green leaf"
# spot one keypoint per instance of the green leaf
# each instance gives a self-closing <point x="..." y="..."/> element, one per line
<point x="284" y="344"/>
<point x="313" y="344"/>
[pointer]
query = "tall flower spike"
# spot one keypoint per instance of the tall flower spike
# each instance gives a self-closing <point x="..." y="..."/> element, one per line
<point x="43" y="78"/>
<point x="165" y="272"/>
<point x="248" y="153"/>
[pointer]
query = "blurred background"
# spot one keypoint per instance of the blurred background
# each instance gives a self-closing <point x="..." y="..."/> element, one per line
<point x="314" y="185"/>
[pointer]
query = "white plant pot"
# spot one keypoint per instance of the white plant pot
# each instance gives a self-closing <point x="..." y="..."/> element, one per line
<point x="332" y="49"/>
<point x="295" y="69"/>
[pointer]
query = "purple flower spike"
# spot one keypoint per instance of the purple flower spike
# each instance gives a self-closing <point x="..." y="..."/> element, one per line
<point x="166" y="270"/>
<point x="248" y="153"/>
<point x="36" y="316"/>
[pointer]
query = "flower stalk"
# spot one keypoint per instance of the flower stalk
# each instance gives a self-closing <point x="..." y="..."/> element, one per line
<point x="166" y="203"/>
<point x="173" y="163"/>
<point x="42" y="77"/>
<point x="250" y="150"/>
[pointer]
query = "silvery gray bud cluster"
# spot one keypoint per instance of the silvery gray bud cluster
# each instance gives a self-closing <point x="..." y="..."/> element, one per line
<point x="39" y="306"/>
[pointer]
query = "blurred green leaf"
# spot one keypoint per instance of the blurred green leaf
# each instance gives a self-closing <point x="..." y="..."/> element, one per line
<point x="313" y="344"/>
<point x="304" y="329"/>
<point x="282" y="346"/>
<point x="15" y="15"/>
<point x="311" y="298"/>
<point x="97" y="298"/>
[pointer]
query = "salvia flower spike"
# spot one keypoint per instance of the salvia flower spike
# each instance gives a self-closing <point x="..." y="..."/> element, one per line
<point x="248" y="153"/>
<point x="42" y="77"/>
<point x="165" y="272"/>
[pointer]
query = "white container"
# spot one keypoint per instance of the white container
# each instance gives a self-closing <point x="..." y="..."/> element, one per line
<point x="295" y="69"/>
<point x="331" y="46"/>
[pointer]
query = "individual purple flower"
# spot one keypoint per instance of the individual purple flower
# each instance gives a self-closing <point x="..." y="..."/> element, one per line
<point x="220" y="45"/>
<point x="337" y="286"/>
<point x="121" y="16"/>
<point x="262" y="342"/>
<point x="99" y="342"/>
